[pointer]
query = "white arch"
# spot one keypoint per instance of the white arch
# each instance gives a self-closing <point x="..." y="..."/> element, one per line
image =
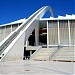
<point x="48" y="8"/>
<point x="43" y="11"/>
<point x="21" y="33"/>
<point x="36" y="16"/>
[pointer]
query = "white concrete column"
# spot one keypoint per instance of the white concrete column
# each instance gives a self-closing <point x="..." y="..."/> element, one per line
<point x="18" y="24"/>
<point x="4" y="32"/>
<point x="11" y="28"/>
<point x="30" y="52"/>
<point x="27" y="43"/>
<point x="47" y="36"/>
<point x="37" y="35"/>
<point x="69" y="33"/>
<point x="58" y="34"/>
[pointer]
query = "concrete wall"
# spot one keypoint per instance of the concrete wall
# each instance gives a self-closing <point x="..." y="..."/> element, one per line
<point x="63" y="32"/>
<point x="15" y="50"/>
<point x="6" y="30"/>
<point x="53" y="33"/>
<point x="2" y="33"/>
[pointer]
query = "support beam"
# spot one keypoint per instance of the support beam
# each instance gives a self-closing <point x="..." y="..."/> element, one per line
<point x="11" y="28"/>
<point x="69" y="33"/>
<point x="47" y="36"/>
<point x="37" y="35"/>
<point x="30" y="52"/>
<point x="27" y="43"/>
<point x="18" y="24"/>
<point x="4" y="32"/>
<point x="58" y="35"/>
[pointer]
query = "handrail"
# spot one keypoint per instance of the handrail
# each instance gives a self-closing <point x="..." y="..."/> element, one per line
<point x="31" y="57"/>
<point x="50" y="57"/>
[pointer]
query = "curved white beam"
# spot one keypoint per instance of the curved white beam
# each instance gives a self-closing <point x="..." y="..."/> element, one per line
<point x="26" y="27"/>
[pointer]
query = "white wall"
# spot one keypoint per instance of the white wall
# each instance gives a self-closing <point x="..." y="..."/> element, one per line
<point x="15" y="50"/>
<point x="6" y="30"/>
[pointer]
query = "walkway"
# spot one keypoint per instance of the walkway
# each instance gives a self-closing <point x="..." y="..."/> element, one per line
<point x="36" y="68"/>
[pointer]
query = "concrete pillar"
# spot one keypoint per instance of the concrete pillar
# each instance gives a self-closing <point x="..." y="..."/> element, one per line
<point x="4" y="32"/>
<point x="18" y="24"/>
<point x="69" y="33"/>
<point x="37" y="35"/>
<point x="58" y="34"/>
<point x="30" y="52"/>
<point x="27" y="43"/>
<point x="11" y="28"/>
<point x="47" y="36"/>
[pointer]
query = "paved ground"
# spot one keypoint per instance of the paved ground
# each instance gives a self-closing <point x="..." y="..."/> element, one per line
<point x="36" y="68"/>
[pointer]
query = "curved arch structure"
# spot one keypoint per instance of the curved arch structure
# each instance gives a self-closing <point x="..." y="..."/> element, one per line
<point x="47" y="8"/>
<point x="10" y="45"/>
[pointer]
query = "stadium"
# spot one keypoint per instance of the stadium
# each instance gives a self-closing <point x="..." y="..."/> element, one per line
<point x="39" y="39"/>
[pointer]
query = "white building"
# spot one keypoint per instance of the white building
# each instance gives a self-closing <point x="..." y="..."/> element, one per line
<point x="56" y="31"/>
<point x="36" y="31"/>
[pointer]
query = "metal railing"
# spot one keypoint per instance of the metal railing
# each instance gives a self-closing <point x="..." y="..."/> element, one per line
<point x="55" y="51"/>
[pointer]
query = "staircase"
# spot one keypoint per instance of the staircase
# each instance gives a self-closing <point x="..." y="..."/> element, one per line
<point x="42" y="54"/>
<point x="65" y="54"/>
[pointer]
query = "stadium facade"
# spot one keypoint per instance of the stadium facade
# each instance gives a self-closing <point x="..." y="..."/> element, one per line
<point x="16" y="36"/>
<point x="59" y="31"/>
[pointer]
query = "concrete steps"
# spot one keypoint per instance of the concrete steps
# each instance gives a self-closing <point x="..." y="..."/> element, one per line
<point x="43" y="54"/>
<point x="54" y="54"/>
<point x="65" y="54"/>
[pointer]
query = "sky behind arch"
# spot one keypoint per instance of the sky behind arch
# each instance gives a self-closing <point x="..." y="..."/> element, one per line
<point x="11" y="10"/>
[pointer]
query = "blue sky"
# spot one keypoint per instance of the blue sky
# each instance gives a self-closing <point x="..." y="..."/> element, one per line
<point x="11" y="10"/>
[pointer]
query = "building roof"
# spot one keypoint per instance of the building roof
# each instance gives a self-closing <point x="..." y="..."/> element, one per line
<point x="67" y="17"/>
<point x="15" y="22"/>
